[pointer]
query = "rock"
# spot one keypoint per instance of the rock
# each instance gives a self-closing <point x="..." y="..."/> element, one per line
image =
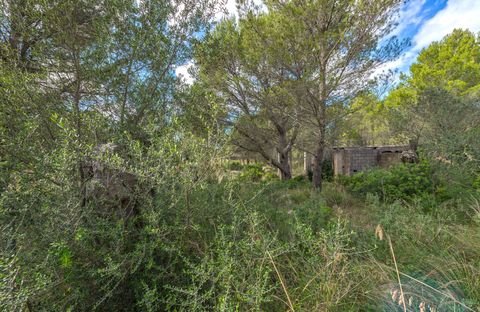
<point x="409" y="157"/>
<point x="111" y="187"/>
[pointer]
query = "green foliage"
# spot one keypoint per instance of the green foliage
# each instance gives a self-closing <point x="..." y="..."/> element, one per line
<point x="73" y="76"/>
<point x="234" y="166"/>
<point x="252" y="172"/>
<point x="402" y="181"/>
<point x="436" y="106"/>
<point x="110" y="197"/>
<point x="327" y="170"/>
<point x="262" y="119"/>
<point x="233" y="275"/>
<point x="257" y="172"/>
<point x="366" y="123"/>
<point x="476" y="183"/>
<point x="433" y="249"/>
<point x="452" y="63"/>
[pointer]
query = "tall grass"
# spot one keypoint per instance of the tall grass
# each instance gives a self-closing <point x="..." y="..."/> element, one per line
<point x="278" y="246"/>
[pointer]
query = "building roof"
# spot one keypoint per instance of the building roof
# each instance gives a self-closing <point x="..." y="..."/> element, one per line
<point x="380" y="147"/>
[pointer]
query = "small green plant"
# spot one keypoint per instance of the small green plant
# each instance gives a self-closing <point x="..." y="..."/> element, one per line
<point x="252" y="172"/>
<point x="403" y="181"/>
<point x="476" y="183"/>
<point x="269" y="176"/>
<point x="234" y="166"/>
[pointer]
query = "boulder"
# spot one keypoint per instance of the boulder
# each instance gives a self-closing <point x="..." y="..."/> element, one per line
<point x="409" y="157"/>
<point x="111" y="187"/>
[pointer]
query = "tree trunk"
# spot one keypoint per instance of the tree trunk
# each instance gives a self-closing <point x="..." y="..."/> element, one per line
<point x="307" y="163"/>
<point x="283" y="151"/>
<point x="284" y="169"/>
<point x="317" y="167"/>
<point x="318" y="158"/>
<point x="321" y="119"/>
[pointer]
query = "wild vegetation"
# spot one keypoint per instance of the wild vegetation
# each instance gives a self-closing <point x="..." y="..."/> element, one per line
<point x="118" y="188"/>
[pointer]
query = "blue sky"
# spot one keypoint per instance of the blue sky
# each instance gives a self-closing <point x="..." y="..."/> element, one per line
<point x="426" y="21"/>
<point x="422" y="21"/>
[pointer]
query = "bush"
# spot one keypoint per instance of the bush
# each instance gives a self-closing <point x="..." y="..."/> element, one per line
<point x="403" y="181"/>
<point x="327" y="171"/>
<point x="476" y="183"/>
<point x="252" y="172"/>
<point x="269" y="176"/>
<point x="297" y="181"/>
<point x="234" y="166"/>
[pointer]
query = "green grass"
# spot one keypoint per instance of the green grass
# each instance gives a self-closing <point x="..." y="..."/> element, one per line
<point x="276" y="246"/>
<point x="326" y="254"/>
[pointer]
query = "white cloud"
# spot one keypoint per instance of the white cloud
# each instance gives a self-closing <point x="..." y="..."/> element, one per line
<point x="463" y="14"/>
<point x="176" y="16"/>
<point x="410" y="15"/>
<point x="231" y="8"/>
<point x="182" y="72"/>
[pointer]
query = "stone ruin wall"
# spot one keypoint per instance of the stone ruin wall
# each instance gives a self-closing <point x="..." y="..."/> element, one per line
<point x="349" y="160"/>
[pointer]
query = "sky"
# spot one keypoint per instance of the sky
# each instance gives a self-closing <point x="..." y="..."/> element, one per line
<point x="426" y="21"/>
<point x="422" y="21"/>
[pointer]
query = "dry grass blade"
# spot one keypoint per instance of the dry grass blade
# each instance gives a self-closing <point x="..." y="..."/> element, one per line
<point x="402" y="296"/>
<point x="290" y="305"/>
<point x="379" y="232"/>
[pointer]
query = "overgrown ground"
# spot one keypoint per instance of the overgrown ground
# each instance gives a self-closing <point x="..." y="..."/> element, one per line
<point x="368" y="243"/>
<point x="282" y="246"/>
<point x="113" y="191"/>
<point x="387" y="240"/>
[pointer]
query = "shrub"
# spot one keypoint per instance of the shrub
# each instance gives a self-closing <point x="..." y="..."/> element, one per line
<point x="327" y="171"/>
<point x="252" y="172"/>
<point x="234" y="166"/>
<point x="269" y="176"/>
<point x="297" y="181"/>
<point x="476" y="183"/>
<point x="403" y="181"/>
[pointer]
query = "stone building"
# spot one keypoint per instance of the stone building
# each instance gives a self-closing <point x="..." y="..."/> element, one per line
<point x="349" y="160"/>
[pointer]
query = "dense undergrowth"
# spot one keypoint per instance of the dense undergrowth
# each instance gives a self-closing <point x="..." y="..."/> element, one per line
<point x="119" y="120"/>
<point x="247" y="245"/>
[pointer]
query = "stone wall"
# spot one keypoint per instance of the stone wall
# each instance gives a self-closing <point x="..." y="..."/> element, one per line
<point x="387" y="158"/>
<point x="349" y="160"/>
